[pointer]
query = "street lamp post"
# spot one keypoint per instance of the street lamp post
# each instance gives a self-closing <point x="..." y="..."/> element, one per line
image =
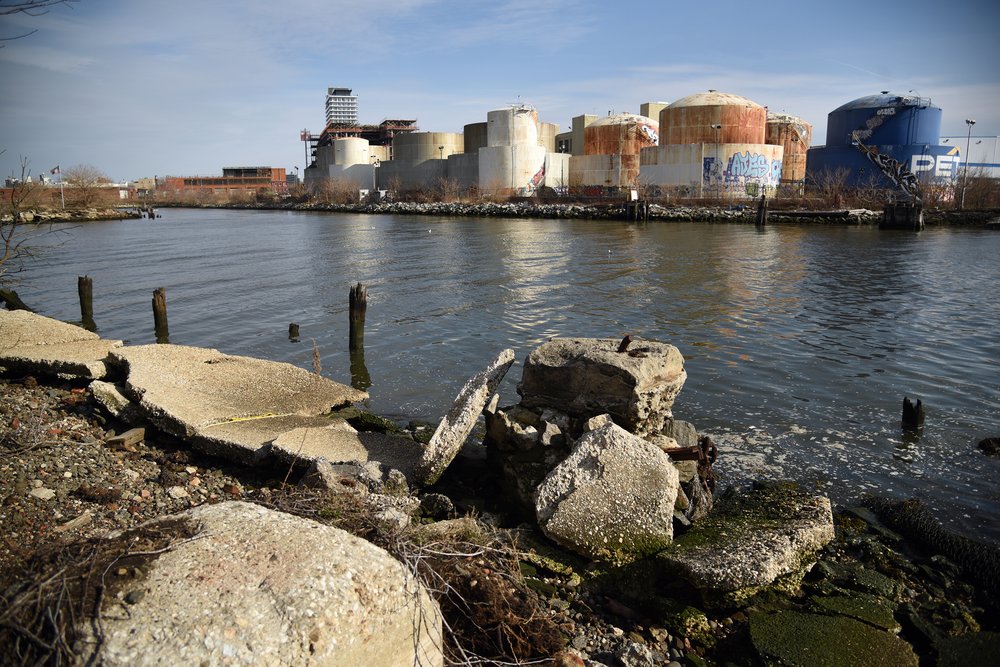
<point x="441" y="151"/>
<point x="718" y="163"/>
<point x="968" y="143"/>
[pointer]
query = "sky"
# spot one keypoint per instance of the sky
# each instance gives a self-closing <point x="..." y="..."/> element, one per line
<point x="139" y="88"/>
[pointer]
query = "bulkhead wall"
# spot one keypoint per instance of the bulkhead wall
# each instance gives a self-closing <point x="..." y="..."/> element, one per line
<point x="416" y="147"/>
<point x="794" y="135"/>
<point x="713" y="117"/>
<point x="517" y="126"/>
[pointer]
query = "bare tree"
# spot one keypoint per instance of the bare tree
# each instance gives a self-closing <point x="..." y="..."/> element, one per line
<point x="85" y="182"/>
<point x="29" y="7"/>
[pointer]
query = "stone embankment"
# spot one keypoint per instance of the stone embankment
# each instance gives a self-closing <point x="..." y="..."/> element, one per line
<point x="50" y="215"/>
<point x="631" y="560"/>
<point x="580" y="211"/>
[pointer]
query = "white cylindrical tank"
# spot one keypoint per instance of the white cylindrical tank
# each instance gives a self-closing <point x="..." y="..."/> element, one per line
<point x="547" y="136"/>
<point x="517" y="126"/>
<point x="518" y="169"/>
<point x="420" y="146"/>
<point x="350" y="151"/>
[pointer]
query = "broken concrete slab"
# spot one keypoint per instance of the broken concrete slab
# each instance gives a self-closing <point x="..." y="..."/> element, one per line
<point x="456" y="426"/>
<point x="612" y="498"/>
<point x="31" y="343"/>
<point x="112" y="398"/>
<point x="226" y="405"/>
<point x="586" y="377"/>
<point x="749" y="541"/>
<point x="242" y="583"/>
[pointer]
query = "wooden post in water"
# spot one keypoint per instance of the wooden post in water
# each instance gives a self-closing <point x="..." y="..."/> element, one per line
<point x="762" y="211"/>
<point x="85" y="288"/>
<point x="160" y="315"/>
<point x="358" y="308"/>
<point x="913" y="415"/>
<point x="293" y="332"/>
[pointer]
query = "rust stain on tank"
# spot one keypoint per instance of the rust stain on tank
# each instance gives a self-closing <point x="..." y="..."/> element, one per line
<point x="795" y="135"/>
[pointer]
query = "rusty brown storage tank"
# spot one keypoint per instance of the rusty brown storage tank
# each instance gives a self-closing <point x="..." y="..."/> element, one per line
<point x="621" y="134"/>
<point x="795" y="135"/>
<point x="713" y="118"/>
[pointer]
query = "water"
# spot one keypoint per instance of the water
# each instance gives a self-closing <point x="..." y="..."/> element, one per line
<point x="800" y="342"/>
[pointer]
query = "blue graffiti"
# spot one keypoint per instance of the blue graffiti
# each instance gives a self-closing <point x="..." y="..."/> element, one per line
<point x="747" y="165"/>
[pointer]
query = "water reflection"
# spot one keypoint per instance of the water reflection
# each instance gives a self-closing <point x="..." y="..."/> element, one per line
<point x="800" y="342"/>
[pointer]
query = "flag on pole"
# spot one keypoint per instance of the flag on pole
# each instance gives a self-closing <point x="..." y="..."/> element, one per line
<point x="55" y="171"/>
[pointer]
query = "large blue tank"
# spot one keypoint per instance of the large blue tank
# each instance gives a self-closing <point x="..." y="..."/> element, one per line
<point x="904" y="127"/>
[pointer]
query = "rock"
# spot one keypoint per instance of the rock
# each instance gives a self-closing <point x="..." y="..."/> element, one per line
<point x="131" y="437"/>
<point x="336" y="478"/>
<point x="873" y="610"/>
<point x="227" y="405"/>
<point x="980" y="648"/>
<point x="990" y="446"/>
<point x="635" y="654"/>
<point x="683" y="432"/>
<point x="111" y="397"/>
<point x="456" y="426"/>
<point x="748" y="542"/>
<point x="597" y="422"/>
<point x="464" y="529"/>
<point x="30" y="343"/>
<point x="437" y="506"/>
<point x="584" y="377"/>
<point x="42" y="493"/>
<point x="857" y="577"/>
<point x="336" y="442"/>
<point x="612" y="498"/>
<point x="796" y="638"/>
<point x="686" y="470"/>
<point x="258" y="586"/>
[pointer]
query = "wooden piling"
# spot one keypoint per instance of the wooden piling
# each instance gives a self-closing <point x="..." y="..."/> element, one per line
<point x="762" y="211"/>
<point x="293" y="332"/>
<point x="160" y="315"/>
<point x="85" y="288"/>
<point x="913" y="414"/>
<point x="358" y="308"/>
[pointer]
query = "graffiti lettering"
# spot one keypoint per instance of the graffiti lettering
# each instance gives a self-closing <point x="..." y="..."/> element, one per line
<point x="944" y="166"/>
<point x="894" y="171"/>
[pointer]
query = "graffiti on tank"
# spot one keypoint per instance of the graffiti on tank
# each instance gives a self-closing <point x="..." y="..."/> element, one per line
<point x="775" y="171"/>
<point x="873" y="124"/>
<point x="894" y="171"/>
<point x="537" y="178"/>
<point x="650" y="133"/>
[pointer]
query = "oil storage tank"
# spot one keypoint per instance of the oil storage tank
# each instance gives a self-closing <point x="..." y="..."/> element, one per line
<point x="906" y="128"/>
<point x="794" y="135"/>
<point x="713" y="144"/>
<point x="512" y="161"/>
<point x="611" y="147"/>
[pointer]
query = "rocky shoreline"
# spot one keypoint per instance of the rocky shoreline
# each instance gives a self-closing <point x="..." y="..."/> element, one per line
<point x="657" y="213"/>
<point x="52" y="215"/>
<point x="76" y="466"/>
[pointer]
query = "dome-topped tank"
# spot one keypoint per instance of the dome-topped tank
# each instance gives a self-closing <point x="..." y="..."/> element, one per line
<point x="713" y="118"/>
<point x="621" y="134"/>
<point x="886" y="119"/>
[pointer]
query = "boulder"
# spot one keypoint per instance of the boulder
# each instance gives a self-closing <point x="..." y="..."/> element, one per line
<point x="255" y="586"/>
<point x="31" y="343"/>
<point x="795" y="638"/>
<point x="612" y="498"/>
<point x="586" y="377"/>
<point x="750" y="541"/>
<point x="456" y="426"/>
<point x="227" y="405"/>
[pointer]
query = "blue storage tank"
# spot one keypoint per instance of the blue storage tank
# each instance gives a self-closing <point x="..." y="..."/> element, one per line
<point x="905" y="127"/>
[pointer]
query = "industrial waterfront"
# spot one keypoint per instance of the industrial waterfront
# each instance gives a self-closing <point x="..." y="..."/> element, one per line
<point x="800" y="342"/>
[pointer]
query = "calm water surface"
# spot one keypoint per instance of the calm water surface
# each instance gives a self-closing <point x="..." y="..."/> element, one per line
<point x="800" y="342"/>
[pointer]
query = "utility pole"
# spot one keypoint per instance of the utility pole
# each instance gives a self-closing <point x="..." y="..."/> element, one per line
<point x="965" y="179"/>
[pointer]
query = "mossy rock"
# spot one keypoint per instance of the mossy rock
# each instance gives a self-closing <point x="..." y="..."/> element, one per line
<point x="857" y="577"/>
<point x="367" y="421"/>
<point x="981" y="648"/>
<point x="868" y="608"/>
<point x="817" y="640"/>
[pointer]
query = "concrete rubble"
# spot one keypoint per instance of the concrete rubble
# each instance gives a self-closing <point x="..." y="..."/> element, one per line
<point x="611" y="499"/>
<point x="34" y="344"/>
<point x="255" y="585"/>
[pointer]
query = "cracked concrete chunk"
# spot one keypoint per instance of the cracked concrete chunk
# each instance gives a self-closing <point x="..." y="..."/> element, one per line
<point x="31" y="343"/>
<point x="227" y="405"/>
<point x="456" y="426"/>
<point x="258" y="586"/>
<point x="612" y="498"/>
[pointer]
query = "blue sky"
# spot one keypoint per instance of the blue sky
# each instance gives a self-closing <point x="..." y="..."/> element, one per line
<point x="184" y="87"/>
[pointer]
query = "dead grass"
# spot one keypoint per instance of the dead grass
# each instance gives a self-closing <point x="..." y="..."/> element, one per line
<point x="53" y="599"/>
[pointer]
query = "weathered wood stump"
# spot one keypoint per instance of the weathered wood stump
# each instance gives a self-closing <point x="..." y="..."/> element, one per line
<point x="358" y="309"/>
<point x="293" y="332"/>
<point x="85" y="288"/>
<point x="160" y="315"/>
<point x="913" y="414"/>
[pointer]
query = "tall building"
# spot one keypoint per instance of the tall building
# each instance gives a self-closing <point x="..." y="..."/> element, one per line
<point x="341" y="106"/>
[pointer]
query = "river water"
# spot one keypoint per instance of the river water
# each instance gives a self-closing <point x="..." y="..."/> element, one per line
<point x="800" y="341"/>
